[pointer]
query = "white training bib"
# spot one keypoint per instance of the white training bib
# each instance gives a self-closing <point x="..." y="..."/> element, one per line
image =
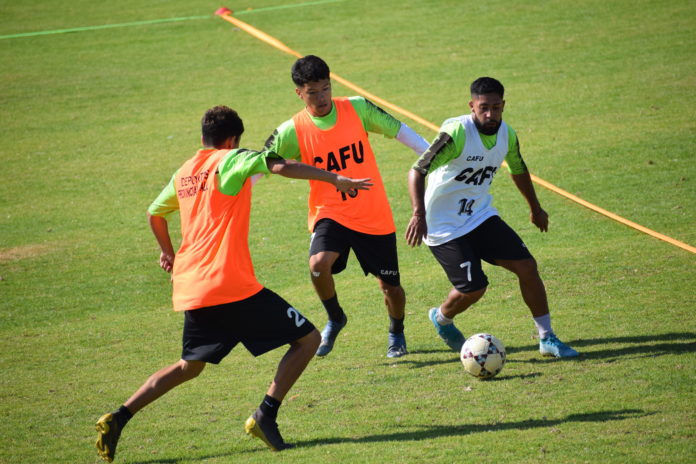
<point x="458" y="199"/>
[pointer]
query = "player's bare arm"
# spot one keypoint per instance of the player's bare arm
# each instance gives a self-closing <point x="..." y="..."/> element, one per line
<point x="160" y="228"/>
<point x="296" y="170"/>
<point x="417" y="227"/>
<point x="537" y="215"/>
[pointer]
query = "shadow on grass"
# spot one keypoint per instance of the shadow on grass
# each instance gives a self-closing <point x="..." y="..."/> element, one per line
<point x="639" y="346"/>
<point x="635" y="346"/>
<point x="427" y="432"/>
<point x="262" y="449"/>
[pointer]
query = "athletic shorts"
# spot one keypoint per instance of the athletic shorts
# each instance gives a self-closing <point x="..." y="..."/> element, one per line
<point x="376" y="253"/>
<point x="261" y="323"/>
<point x="461" y="257"/>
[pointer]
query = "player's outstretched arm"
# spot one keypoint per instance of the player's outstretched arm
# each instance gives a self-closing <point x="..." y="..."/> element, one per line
<point x="411" y="139"/>
<point x="417" y="227"/>
<point x="296" y="170"/>
<point x="160" y="228"/>
<point x="537" y="215"/>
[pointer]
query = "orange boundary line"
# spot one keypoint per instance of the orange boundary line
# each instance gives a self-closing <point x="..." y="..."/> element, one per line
<point x="226" y="14"/>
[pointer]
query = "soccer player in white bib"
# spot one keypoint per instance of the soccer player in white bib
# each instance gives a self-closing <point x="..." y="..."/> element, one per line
<point x="455" y="216"/>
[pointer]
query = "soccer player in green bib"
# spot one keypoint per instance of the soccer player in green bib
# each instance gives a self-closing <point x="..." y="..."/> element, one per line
<point x="332" y="134"/>
<point x="455" y="216"/>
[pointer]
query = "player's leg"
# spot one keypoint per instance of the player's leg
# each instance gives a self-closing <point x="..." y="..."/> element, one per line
<point x="292" y="365"/>
<point x="162" y="381"/>
<point x="460" y="261"/>
<point x="271" y="322"/>
<point x="511" y="253"/>
<point x="320" y="265"/>
<point x="457" y="302"/>
<point x="328" y="255"/>
<point x="377" y="255"/>
<point x="531" y="285"/>
<point x="263" y="422"/>
<point x="110" y="425"/>
<point x="204" y="340"/>
<point x="395" y="301"/>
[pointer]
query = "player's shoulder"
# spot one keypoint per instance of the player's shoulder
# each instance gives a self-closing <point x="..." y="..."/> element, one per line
<point x="512" y="135"/>
<point x="284" y="132"/>
<point x="359" y="103"/>
<point x="453" y="125"/>
<point x="454" y="121"/>
<point x="286" y="126"/>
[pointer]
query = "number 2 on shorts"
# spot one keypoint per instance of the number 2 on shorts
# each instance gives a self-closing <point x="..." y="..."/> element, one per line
<point x="299" y="320"/>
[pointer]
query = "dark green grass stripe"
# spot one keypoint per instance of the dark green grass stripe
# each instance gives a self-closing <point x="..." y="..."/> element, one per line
<point x="159" y="21"/>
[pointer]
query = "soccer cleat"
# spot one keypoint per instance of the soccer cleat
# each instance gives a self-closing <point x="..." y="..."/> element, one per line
<point x="109" y="428"/>
<point x="267" y="430"/>
<point x="448" y="333"/>
<point x="397" y="345"/>
<point x="328" y="335"/>
<point x="552" y="346"/>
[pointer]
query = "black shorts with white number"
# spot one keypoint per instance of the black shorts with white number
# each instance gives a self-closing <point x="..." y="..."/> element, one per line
<point x="262" y="322"/>
<point x="461" y="257"/>
<point x="375" y="253"/>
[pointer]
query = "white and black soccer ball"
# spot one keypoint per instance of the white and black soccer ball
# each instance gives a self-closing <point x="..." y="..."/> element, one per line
<point x="483" y="355"/>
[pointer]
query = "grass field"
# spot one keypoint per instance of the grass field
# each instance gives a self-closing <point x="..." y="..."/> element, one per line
<point x="602" y="95"/>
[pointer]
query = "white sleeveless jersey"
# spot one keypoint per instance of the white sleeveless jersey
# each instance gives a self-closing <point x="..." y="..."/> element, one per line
<point x="458" y="199"/>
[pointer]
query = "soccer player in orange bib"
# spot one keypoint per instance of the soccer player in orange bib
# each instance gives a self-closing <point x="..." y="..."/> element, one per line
<point x="214" y="285"/>
<point x="332" y="133"/>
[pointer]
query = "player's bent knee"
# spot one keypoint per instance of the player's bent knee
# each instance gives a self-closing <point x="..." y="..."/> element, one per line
<point x="310" y="341"/>
<point x="191" y="369"/>
<point x="319" y="264"/>
<point x="468" y="298"/>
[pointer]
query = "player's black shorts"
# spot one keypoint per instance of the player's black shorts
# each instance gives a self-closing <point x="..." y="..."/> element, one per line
<point x="375" y="253"/>
<point x="461" y="257"/>
<point x="261" y="322"/>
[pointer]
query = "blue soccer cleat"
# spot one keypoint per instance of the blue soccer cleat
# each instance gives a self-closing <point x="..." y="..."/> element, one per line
<point x="448" y="333"/>
<point x="552" y="346"/>
<point x="328" y="335"/>
<point x="397" y="345"/>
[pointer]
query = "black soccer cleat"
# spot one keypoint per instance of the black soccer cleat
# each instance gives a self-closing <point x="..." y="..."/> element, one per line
<point x="109" y="428"/>
<point x="267" y="430"/>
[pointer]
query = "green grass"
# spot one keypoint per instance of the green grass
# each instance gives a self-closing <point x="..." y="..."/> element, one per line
<point x="94" y="123"/>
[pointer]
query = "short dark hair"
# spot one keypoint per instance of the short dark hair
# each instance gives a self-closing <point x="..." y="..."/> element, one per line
<point x="219" y="124"/>
<point x="309" y="69"/>
<point x="484" y="85"/>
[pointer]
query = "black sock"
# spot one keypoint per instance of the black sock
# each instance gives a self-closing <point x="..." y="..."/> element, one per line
<point x="396" y="326"/>
<point x="269" y="407"/>
<point x="123" y="414"/>
<point x="333" y="309"/>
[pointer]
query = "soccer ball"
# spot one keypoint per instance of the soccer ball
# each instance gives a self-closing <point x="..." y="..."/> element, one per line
<point x="483" y="355"/>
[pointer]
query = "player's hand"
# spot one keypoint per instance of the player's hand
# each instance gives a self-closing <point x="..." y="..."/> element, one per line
<point x="540" y="219"/>
<point x="166" y="261"/>
<point x="416" y="230"/>
<point x="348" y="185"/>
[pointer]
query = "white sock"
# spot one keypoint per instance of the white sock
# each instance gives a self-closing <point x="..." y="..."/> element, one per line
<point x="442" y="319"/>
<point x="543" y="325"/>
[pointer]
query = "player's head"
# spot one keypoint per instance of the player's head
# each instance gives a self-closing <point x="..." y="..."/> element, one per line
<point x="487" y="104"/>
<point x="219" y="124"/>
<point x="311" y="76"/>
<point x="484" y="85"/>
<point x="310" y="68"/>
